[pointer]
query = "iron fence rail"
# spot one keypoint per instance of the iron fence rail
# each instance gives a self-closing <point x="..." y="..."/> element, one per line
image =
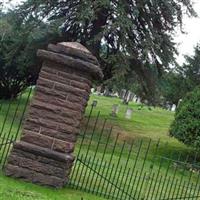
<point x="116" y="169"/>
<point x="11" y="117"/>
<point x="110" y="167"/>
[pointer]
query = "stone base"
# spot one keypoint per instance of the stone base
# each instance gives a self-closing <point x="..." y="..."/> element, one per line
<point x="39" y="165"/>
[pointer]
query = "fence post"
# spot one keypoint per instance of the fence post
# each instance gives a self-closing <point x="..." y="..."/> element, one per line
<point x="44" y="153"/>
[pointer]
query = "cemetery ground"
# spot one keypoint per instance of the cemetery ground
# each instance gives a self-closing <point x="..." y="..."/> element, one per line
<point x="11" y="189"/>
<point x="145" y="123"/>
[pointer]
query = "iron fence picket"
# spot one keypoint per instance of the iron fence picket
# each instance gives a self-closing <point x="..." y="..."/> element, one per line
<point x="126" y="165"/>
<point x="118" y="163"/>
<point x="106" y="167"/>
<point x="130" y="176"/>
<point x="11" y="110"/>
<point x="143" y="164"/>
<point x="111" y="153"/>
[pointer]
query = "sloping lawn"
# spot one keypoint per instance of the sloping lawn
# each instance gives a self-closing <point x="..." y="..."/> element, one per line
<point x="144" y="123"/>
<point x="11" y="189"/>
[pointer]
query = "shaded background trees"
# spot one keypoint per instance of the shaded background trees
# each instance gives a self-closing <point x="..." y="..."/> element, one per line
<point x="186" y="126"/>
<point x="137" y="34"/>
<point x="180" y="80"/>
<point x="133" y="40"/>
<point x="19" y="42"/>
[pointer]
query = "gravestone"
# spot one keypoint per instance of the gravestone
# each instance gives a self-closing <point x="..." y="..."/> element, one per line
<point x="173" y="108"/>
<point x="115" y="110"/>
<point x="44" y="155"/>
<point x="129" y="113"/>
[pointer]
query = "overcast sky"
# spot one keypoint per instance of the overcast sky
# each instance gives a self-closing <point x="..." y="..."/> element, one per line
<point x="186" y="42"/>
<point x="192" y="37"/>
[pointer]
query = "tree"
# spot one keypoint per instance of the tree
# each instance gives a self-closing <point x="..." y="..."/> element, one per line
<point x="186" y="126"/>
<point x="132" y="82"/>
<point x="173" y="87"/>
<point x="191" y="68"/>
<point x="19" y="42"/>
<point x="176" y="83"/>
<point x="136" y="33"/>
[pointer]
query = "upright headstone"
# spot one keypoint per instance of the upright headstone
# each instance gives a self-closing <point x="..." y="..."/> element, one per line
<point x="173" y="108"/>
<point x="115" y="110"/>
<point x="122" y="94"/>
<point x="135" y="98"/>
<point x="44" y="153"/>
<point x="129" y="113"/>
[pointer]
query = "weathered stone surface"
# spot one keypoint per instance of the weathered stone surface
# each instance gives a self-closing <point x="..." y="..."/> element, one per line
<point x="56" y="109"/>
<point x="18" y="172"/>
<point x="62" y="165"/>
<point x="54" y="181"/>
<point x="62" y="146"/>
<point x="71" y="90"/>
<point x="78" y="64"/>
<point x="60" y="102"/>
<point x="44" y="154"/>
<point x="32" y="176"/>
<point x="36" y="166"/>
<point x="51" y="92"/>
<point x="67" y="80"/>
<point x="45" y="83"/>
<point x="71" y="137"/>
<point x="67" y="49"/>
<point x="73" y="98"/>
<point x="76" y="77"/>
<point x="37" y="139"/>
<point x="40" y="122"/>
<point x="53" y="116"/>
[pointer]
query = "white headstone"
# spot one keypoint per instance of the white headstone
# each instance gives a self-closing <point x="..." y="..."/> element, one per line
<point x="92" y="90"/>
<point x="115" y="110"/>
<point x="135" y="98"/>
<point x="129" y="113"/>
<point x="138" y="100"/>
<point x="173" y="108"/>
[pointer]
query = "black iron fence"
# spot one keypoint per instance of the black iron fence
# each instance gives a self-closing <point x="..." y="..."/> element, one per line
<point x="11" y="117"/>
<point x="111" y="167"/>
<point x="115" y="169"/>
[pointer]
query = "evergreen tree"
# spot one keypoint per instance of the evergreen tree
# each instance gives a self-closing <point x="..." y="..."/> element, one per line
<point x="19" y="42"/>
<point x="182" y="79"/>
<point x="186" y="125"/>
<point x="137" y="33"/>
<point x="191" y="69"/>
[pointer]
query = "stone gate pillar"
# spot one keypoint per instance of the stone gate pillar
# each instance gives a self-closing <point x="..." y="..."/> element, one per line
<point x="44" y="153"/>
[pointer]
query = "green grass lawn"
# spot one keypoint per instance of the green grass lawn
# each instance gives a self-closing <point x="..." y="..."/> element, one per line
<point x="135" y="129"/>
<point x="144" y="124"/>
<point x="11" y="189"/>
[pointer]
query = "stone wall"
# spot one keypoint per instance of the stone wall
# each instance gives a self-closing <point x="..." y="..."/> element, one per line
<point x="44" y="153"/>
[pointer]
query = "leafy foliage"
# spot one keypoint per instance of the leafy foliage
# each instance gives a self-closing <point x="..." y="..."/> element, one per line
<point x="137" y="34"/>
<point x="18" y="45"/>
<point x="173" y="87"/>
<point x="175" y="84"/>
<point x="191" y="68"/>
<point x="186" y="126"/>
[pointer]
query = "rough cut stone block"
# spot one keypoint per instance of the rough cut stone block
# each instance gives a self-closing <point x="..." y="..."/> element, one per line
<point x="44" y="155"/>
<point x="62" y="146"/>
<point x="37" y="139"/>
<point x="67" y="136"/>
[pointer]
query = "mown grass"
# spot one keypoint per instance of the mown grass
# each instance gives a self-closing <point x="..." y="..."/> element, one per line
<point x="11" y="189"/>
<point x="11" y="116"/>
<point x="159" y="167"/>
<point x="144" y="124"/>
